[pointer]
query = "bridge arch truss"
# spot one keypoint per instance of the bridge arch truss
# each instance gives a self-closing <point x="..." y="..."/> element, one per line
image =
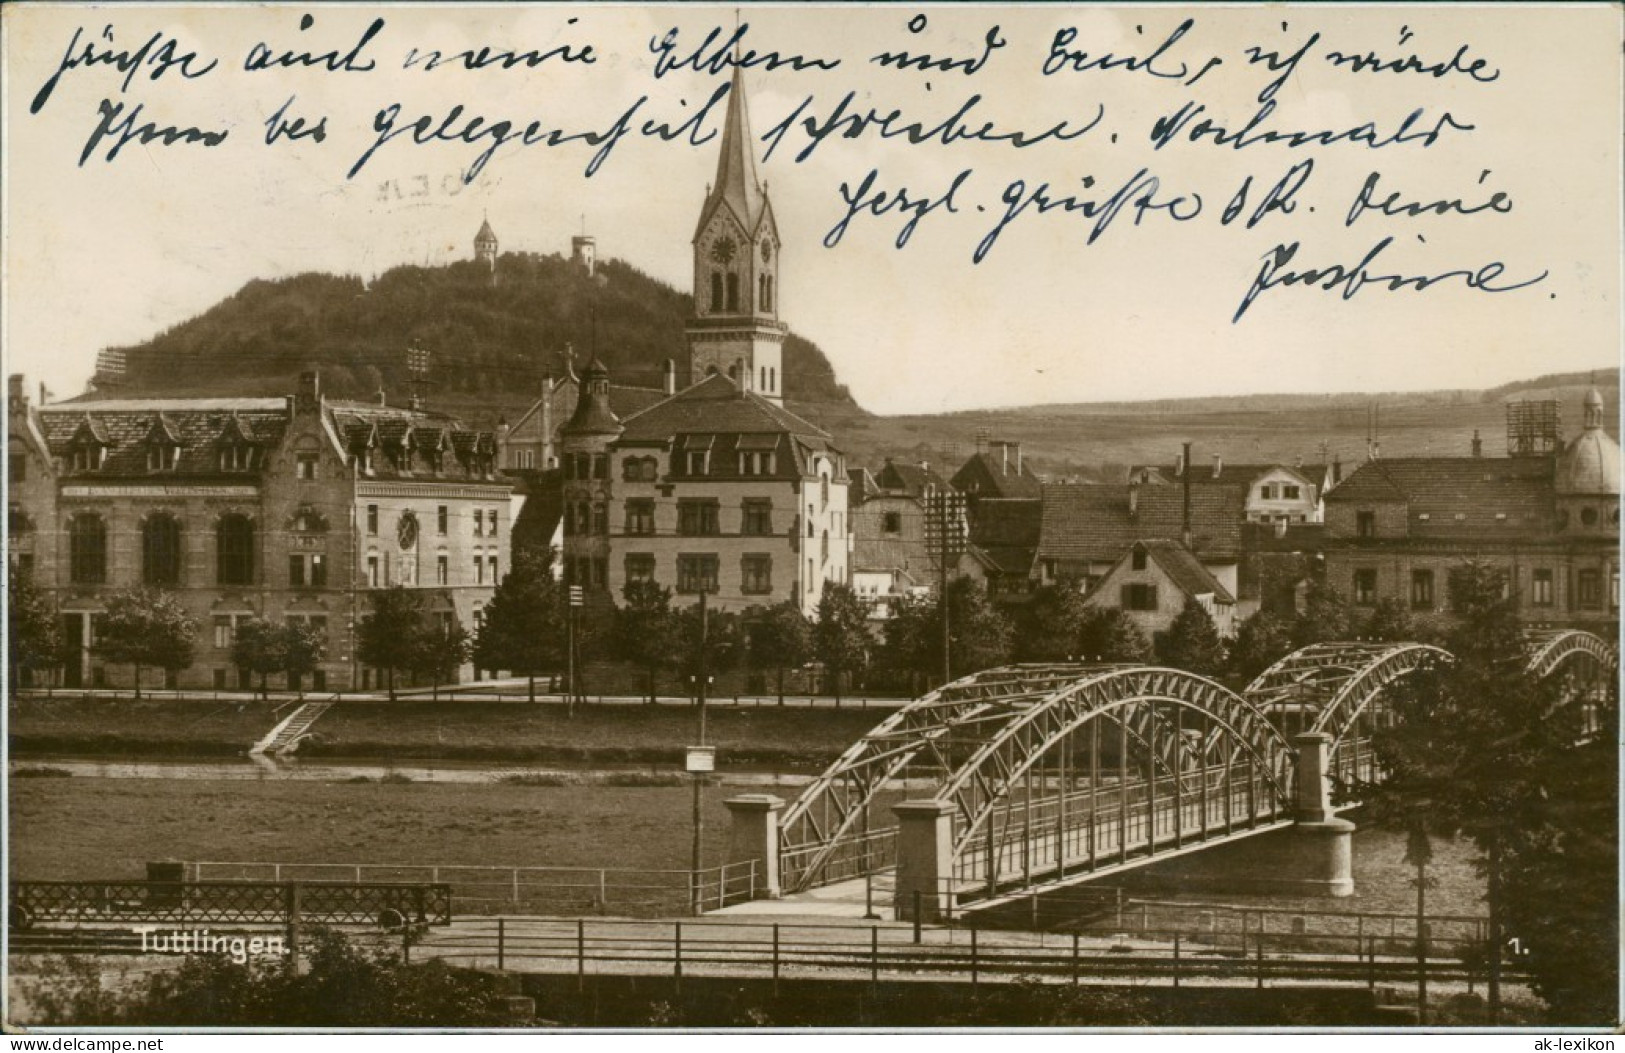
<point x="1047" y="766"/>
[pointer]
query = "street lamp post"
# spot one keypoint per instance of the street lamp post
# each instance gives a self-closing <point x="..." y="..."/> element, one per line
<point x="701" y="760"/>
<point x="576" y="600"/>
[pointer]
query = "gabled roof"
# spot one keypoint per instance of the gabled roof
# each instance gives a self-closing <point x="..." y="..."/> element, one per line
<point x="1093" y="524"/>
<point x="1181" y="567"/>
<point x="1006" y="530"/>
<point x="236" y="429"/>
<point x="717" y="406"/>
<point x="910" y="479"/>
<point x="90" y="430"/>
<point x="162" y="433"/>
<point x="1477" y="489"/>
<point x="982" y="476"/>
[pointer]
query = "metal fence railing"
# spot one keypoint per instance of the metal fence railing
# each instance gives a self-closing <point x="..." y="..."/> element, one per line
<point x="243" y="902"/>
<point x="592" y="946"/>
<point x="1226" y="928"/>
<point x="521" y="889"/>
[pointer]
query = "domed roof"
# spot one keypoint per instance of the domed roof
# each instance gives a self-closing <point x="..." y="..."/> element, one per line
<point x="1591" y="463"/>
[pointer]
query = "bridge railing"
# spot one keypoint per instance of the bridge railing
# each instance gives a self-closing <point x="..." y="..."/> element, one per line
<point x="852" y="857"/>
<point x="1085" y="829"/>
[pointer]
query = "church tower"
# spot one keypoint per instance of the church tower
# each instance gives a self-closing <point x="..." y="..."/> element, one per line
<point x="736" y="330"/>
<point x="485" y="245"/>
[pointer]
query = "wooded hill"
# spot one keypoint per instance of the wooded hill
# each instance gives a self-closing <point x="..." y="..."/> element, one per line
<point x="490" y="342"/>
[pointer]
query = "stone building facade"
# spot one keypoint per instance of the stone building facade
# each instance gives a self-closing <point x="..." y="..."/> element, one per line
<point x="1397" y="527"/>
<point x="282" y="509"/>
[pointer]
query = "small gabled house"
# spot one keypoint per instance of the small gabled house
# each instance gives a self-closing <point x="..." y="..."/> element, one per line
<point x="1153" y="580"/>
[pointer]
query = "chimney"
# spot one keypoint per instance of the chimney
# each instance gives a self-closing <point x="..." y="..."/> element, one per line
<point x="1179" y="461"/>
<point x="1337" y="468"/>
<point x="1185" y="515"/>
<point x="1004" y="460"/>
<point x="383" y="400"/>
<point x="1017" y="445"/>
<point x="16" y="393"/>
<point x="981" y="440"/>
<point x="1478" y="444"/>
<point x="1133" y="499"/>
<point x="1218" y="465"/>
<point x="668" y="377"/>
<point x="44" y="395"/>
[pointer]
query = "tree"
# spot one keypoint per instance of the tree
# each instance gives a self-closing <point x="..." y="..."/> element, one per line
<point x="1052" y="623"/>
<point x="981" y="635"/>
<point x="1192" y="642"/>
<point x="1390" y="622"/>
<point x="780" y="639"/>
<point x="441" y="651"/>
<point x="646" y="629"/>
<point x="387" y="638"/>
<point x="841" y="637"/>
<point x="1110" y="635"/>
<point x="265" y="647"/>
<point x="1479" y="747"/>
<point x="1261" y="641"/>
<point x="304" y="648"/>
<point x="143" y="627"/>
<point x="526" y="628"/>
<point x="720" y="647"/>
<point x="32" y="638"/>
<point x="261" y="647"/>
<point x="1325" y="617"/>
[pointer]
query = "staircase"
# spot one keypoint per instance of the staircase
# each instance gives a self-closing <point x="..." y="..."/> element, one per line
<point x="284" y="738"/>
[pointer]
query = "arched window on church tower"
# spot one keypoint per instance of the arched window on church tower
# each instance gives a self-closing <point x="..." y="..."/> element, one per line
<point x="733" y="291"/>
<point x="761" y="292"/>
<point x="716" y="290"/>
<point x="767" y="292"/>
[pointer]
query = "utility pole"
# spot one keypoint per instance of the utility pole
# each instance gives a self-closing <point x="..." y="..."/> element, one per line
<point x="944" y="513"/>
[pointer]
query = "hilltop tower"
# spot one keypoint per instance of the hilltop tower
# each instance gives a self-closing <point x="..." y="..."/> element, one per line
<point x="735" y="330"/>
<point x="485" y="245"/>
<point x="584" y="253"/>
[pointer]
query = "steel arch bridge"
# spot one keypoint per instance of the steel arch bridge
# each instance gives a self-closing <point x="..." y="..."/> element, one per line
<point x="1049" y="771"/>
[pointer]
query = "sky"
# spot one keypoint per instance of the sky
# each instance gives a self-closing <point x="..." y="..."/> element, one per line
<point x="1068" y="304"/>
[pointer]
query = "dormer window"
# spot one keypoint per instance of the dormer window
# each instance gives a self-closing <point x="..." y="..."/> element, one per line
<point x="162" y="458"/>
<point x="87" y="458"/>
<point x="236" y="457"/>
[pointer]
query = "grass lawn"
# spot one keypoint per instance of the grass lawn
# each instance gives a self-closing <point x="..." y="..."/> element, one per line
<point x="92" y="828"/>
<point x="789" y="737"/>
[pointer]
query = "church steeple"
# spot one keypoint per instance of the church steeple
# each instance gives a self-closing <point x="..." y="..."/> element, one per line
<point x="735" y="330"/>
<point x="736" y="184"/>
